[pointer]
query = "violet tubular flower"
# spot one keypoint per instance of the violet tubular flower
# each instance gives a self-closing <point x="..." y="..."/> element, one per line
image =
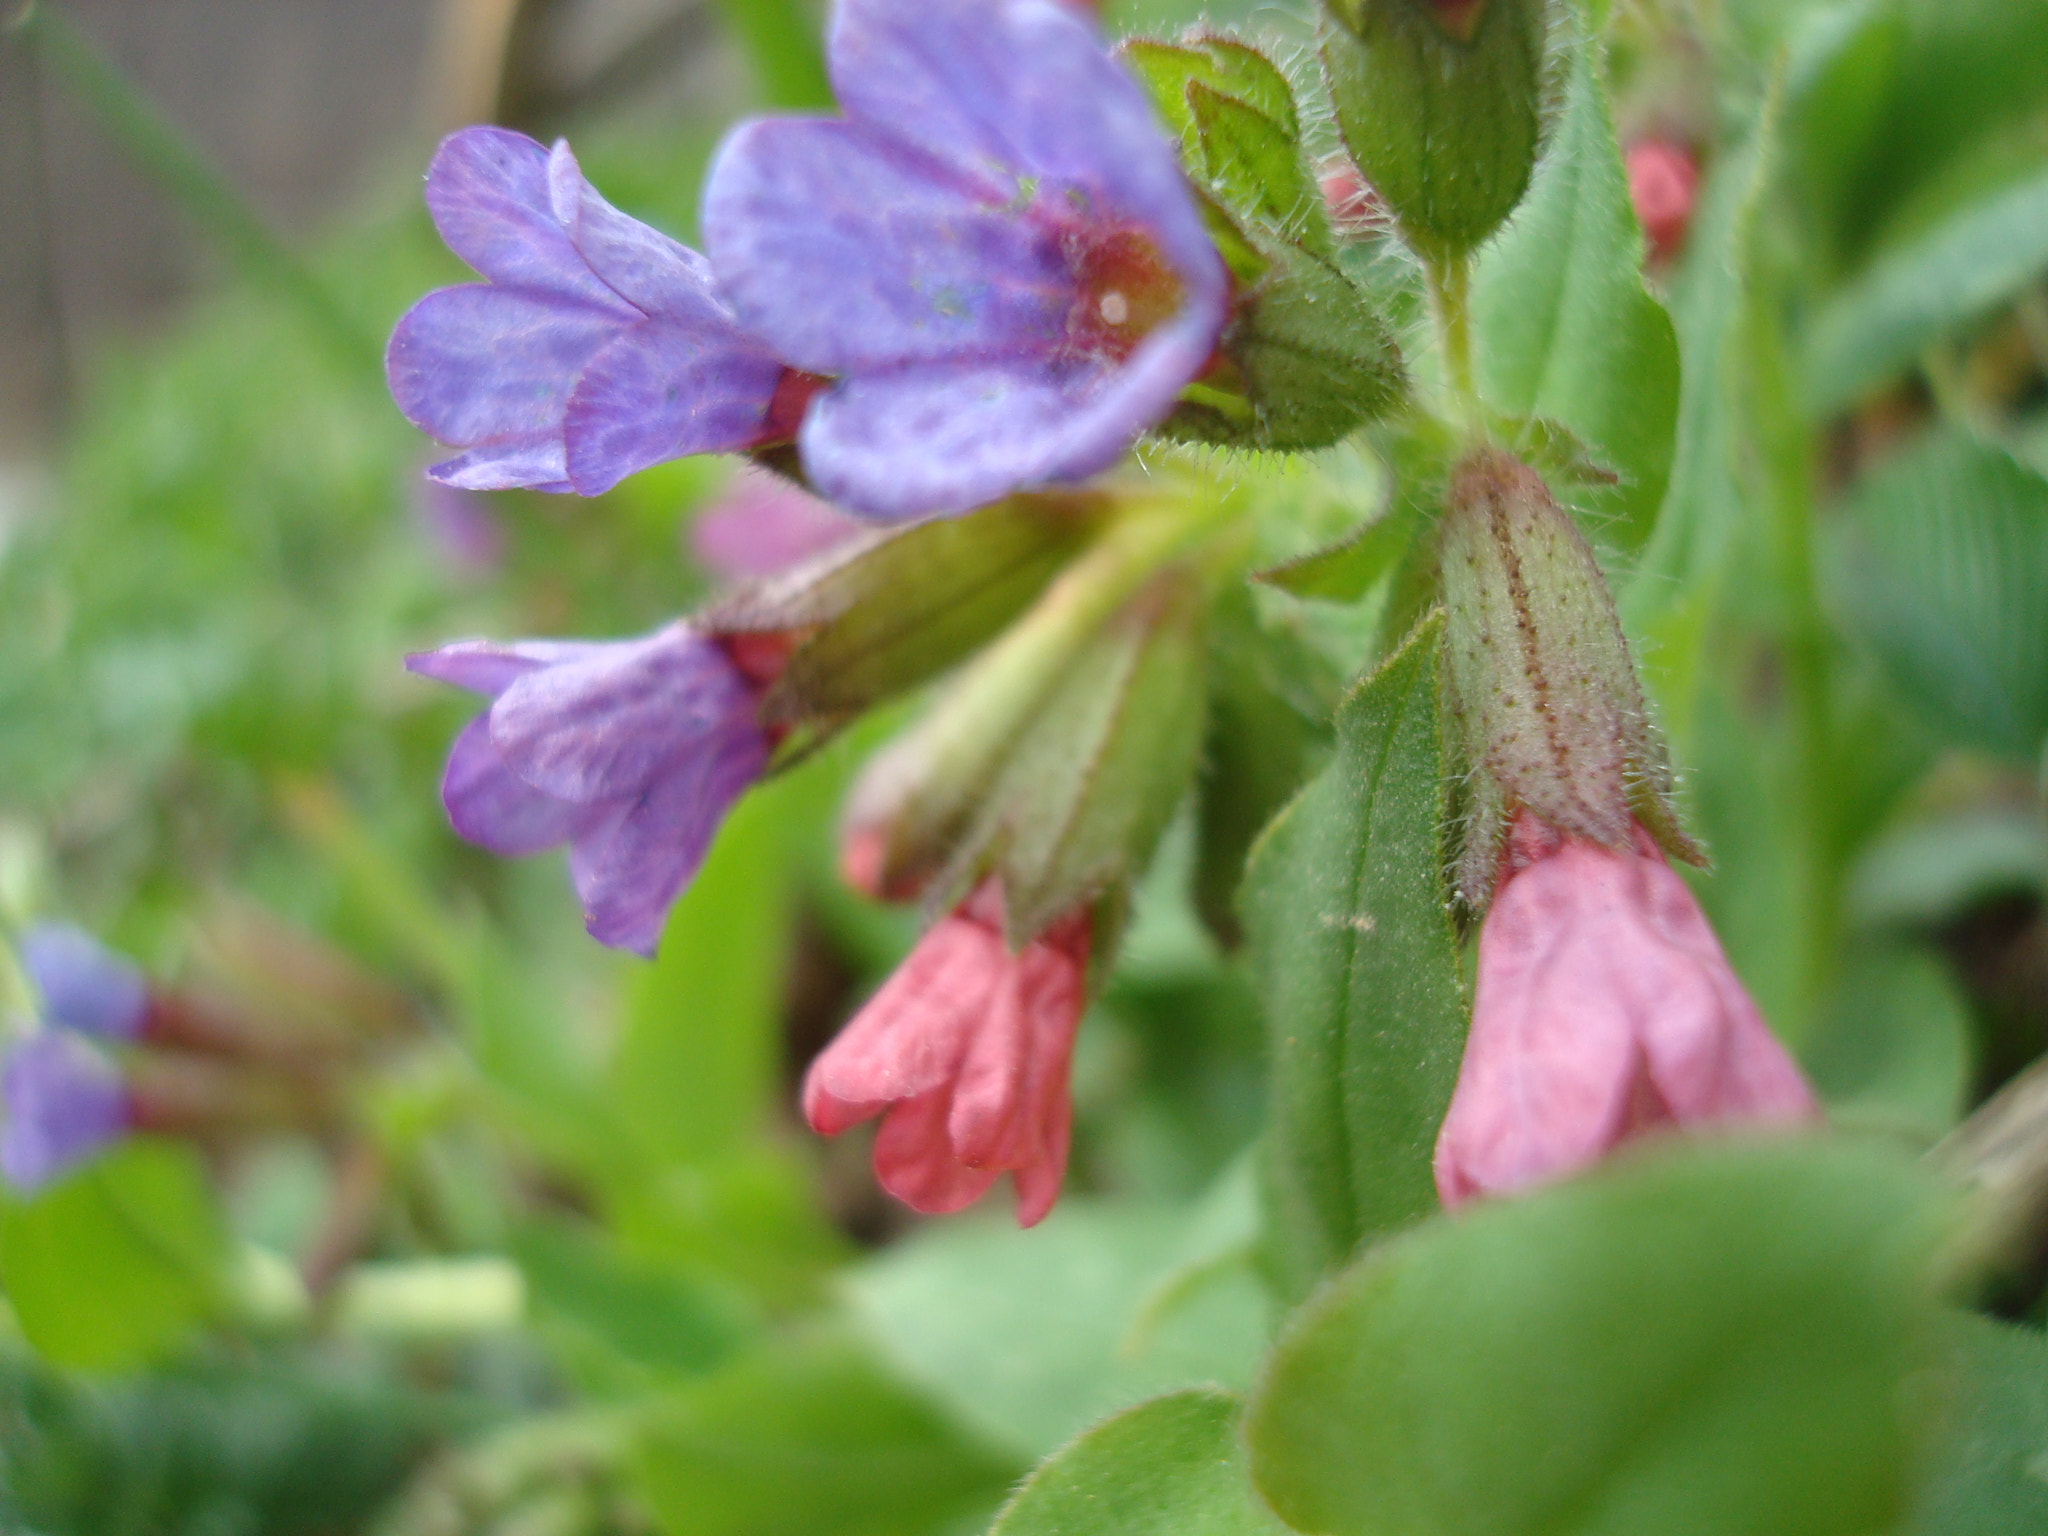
<point x="965" y="1053"/>
<point x="994" y="255"/>
<point x="595" y="347"/>
<point x="84" y="985"/>
<point x="64" y="1102"/>
<point x="1604" y="1010"/>
<point x="630" y="751"/>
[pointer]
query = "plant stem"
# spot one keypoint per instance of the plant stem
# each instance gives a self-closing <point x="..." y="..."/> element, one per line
<point x="1450" y="281"/>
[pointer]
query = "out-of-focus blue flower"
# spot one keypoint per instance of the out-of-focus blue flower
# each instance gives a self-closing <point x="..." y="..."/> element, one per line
<point x="595" y="347"/>
<point x="994" y="254"/>
<point x="64" y="1102"/>
<point x="629" y="751"/>
<point x="84" y="985"/>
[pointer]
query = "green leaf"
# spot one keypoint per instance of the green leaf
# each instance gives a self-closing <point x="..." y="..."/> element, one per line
<point x="1026" y="1337"/>
<point x="1565" y="328"/>
<point x="1940" y="566"/>
<point x="1345" y="571"/>
<point x="1704" y="1340"/>
<point x="1917" y="291"/>
<point x="113" y="1265"/>
<point x="621" y="1321"/>
<point x="698" y="1058"/>
<point x="1170" y="1467"/>
<point x="1351" y="946"/>
<point x="1894" y="1050"/>
<point x="1257" y="167"/>
<point x="1987" y="1477"/>
<point x="810" y="1434"/>
<point x="1226" y="66"/>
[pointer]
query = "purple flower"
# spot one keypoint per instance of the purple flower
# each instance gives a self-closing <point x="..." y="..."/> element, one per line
<point x="64" y="1102"/>
<point x="596" y="347"/>
<point x="994" y="254"/>
<point x="629" y="751"/>
<point x="84" y="985"/>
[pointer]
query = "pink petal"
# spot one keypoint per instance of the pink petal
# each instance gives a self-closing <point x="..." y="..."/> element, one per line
<point x="914" y="1159"/>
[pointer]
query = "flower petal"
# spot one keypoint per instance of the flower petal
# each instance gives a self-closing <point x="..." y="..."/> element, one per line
<point x="604" y="726"/>
<point x="660" y="390"/>
<point x="629" y="867"/>
<point x="491" y="370"/>
<point x="914" y="1161"/>
<point x="911" y="1035"/>
<point x="490" y="194"/>
<point x="487" y="667"/>
<point x="84" y="985"/>
<point x="1020" y="88"/>
<point x="655" y="274"/>
<point x="845" y="251"/>
<point x="490" y="806"/>
<point x="64" y="1102"/>
<point x="938" y="438"/>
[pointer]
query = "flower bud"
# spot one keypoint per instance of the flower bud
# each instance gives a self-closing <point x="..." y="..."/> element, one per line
<point x="964" y="1052"/>
<point x="1604" y="1009"/>
<point x="1545" y="697"/>
<point x="1663" y="185"/>
<point x="1441" y="105"/>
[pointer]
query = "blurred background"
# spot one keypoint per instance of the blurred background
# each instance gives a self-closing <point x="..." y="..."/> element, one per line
<point x="528" y="1241"/>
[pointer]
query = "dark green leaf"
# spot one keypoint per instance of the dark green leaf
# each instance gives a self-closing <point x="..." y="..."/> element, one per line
<point x="1345" y="908"/>
<point x="1257" y="167"/>
<point x="1699" y="1341"/>
<point x="1170" y="1467"/>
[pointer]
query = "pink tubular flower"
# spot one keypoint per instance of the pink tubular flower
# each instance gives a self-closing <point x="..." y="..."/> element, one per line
<point x="1604" y="1009"/>
<point x="1663" y="184"/>
<point x="964" y="1051"/>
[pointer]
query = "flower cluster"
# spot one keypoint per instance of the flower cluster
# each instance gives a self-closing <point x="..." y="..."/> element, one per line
<point x="990" y="273"/>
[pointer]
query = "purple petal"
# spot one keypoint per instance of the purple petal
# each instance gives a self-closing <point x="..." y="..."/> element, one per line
<point x="493" y="367"/>
<point x="629" y="868"/>
<point x="653" y="273"/>
<point x="488" y="190"/>
<point x="84" y="985"/>
<point x="603" y="727"/>
<point x="662" y="390"/>
<point x="846" y="251"/>
<point x="489" y="668"/>
<point x="941" y="439"/>
<point x="64" y="1102"/>
<point x="489" y="806"/>
<point x="1021" y="87"/>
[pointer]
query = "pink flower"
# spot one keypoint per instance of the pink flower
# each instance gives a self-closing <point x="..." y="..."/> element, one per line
<point x="762" y="524"/>
<point x="964" y="1052"/>
<point x="1604" y="1009"/>
<point x="1663" y="184"/>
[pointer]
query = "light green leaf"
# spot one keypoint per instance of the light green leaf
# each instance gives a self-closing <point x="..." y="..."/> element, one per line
<point x="1345" y="571"/>
<point x="116" y="1263"/>
<point x="1704" y="1340"/>
<point x="1028" y="1336"/>
<point x="810" y="1434"/>
<point x="1170" y="1467"/>
<point x="1565" y="328"/>
<point x="1352" y="949"/>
